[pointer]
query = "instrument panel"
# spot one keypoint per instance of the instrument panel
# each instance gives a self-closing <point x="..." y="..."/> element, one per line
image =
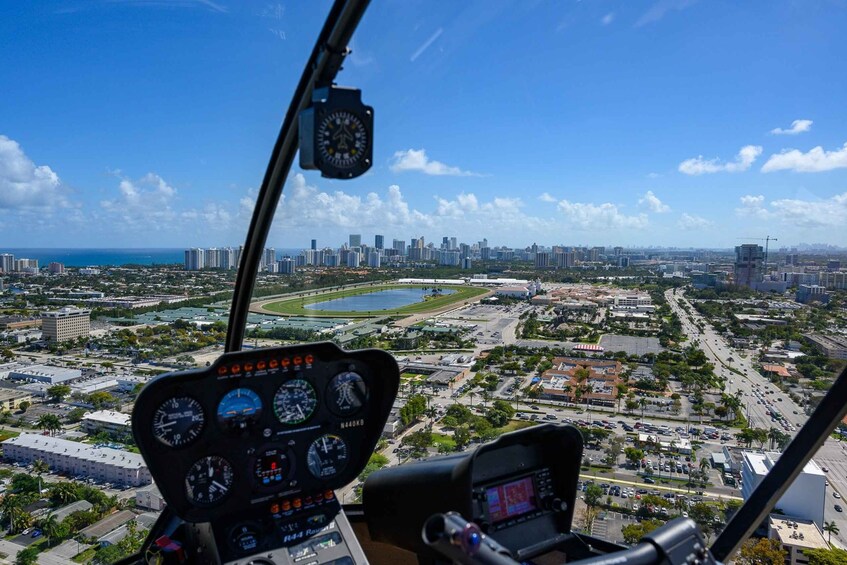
<point x="260" y="426"/>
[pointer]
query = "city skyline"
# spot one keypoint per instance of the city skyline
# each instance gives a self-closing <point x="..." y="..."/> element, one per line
<point x="646" y="130"/>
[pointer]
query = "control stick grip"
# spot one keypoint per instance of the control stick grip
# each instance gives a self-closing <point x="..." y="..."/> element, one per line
<point x="463" y="542"/>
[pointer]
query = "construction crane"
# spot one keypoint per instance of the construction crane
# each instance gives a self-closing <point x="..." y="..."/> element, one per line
<point x="767" y="241"/>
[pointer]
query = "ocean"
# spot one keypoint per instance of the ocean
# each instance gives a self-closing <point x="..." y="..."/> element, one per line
<point x="110" y="257"/>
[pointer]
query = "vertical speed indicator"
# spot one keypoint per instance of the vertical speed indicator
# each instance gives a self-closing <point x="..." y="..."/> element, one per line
<point x="178" y="421"/>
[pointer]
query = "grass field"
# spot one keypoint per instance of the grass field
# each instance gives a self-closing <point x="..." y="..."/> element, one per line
<point x="295" y="306"/>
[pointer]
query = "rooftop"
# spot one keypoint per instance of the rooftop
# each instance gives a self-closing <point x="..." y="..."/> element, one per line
<point x="796" y="532"/>
<point x="108" y="417"/>
<point x="78" y="450"/>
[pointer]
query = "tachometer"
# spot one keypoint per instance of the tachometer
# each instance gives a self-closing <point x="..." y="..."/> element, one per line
<point x="295" y="401"/>
<point x="178" y="421"/>
<point x="347" y="393"/>
<point x="327" y="456"/>
<point x="239" y="407"/>
<point x="208" y="481"/>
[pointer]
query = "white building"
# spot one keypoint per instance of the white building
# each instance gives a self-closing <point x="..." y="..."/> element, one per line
<point x="373" y="259"/>
<point x="795" y="535"/>
<point x="149" y="497"/>
<point x="45" y="374"/>
<point x="106" y="421"/>
<point x="100" y="463"/>
<point x="805" y="498"/>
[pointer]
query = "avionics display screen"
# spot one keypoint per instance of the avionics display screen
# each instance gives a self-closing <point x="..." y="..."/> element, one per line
<point x="511" y="499"/>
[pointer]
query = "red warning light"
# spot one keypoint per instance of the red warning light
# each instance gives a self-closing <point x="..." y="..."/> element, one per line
<point x="298" y="360"/>
<point x="273" y="363"/>
<point x="273" y="466"/>
<point x="285" y="362"/>
<point x="236" y="368"/>
<point x="248" y="366"/>
<point x="274" y="508"/>
<point x="261" y="365"/>
<point x="222" y="370"/>
<point x="309" y="358"/>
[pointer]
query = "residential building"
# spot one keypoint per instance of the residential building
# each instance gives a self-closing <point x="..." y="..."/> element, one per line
<point x="56" y="268"/>
<point x="808" y="293"/>
<point x="374" y="259"/>
<point x="749" y="264"/>
<point x="195" y="259"/>
<point x="379" y="241"/>
<point x="65" y="323"/>
<point x="286" y="266"/>
<point x="11" y="399"/>
<point x="834" y="347"/>
<point x="833" y="281"/>
<point x="109" y="421"/>
<point x="150" y="498"/>
<point x="100" y="463"/>
<point x="805" y="498"/>
<point x="355" y="240"/>
<point x="7" y="262"/>
<point x="796" y="535"/>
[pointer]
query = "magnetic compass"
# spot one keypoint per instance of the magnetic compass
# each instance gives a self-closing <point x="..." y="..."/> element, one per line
<point x="336" y="133"/>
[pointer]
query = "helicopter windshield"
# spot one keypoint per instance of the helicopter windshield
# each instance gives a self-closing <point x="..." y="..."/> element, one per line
<point x="627" y="217"/>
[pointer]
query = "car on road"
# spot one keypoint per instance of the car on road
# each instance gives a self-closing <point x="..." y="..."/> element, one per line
<point x="650" y="481"/>
<point x="836" y="495"/>
<point x="35" y="533"/>
<point x="838" y="508"/>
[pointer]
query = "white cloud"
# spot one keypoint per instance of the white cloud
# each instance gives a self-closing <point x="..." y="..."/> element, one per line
<point x="690" y="222"/>
<point x="652" y="202"/>
<point x="797" y="126"/>
<point x="588" y="216"/>
<point x="145" y="203"/>
<point x="546" y="197"/>
<point x="417" y="160"/>
<point x="658" y="10"/>
<point x="743" y="160"/>
<point x="815" y="161"/>
<point x="653" y="175"/>
<point x="821" y="213"/>
<point x="608" y="18"/>
<point x="25" y="185"/>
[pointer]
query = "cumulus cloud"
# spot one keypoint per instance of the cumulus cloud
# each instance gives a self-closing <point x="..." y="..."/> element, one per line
<point x="546" y="197"/>
<point x="652" y="203"/>
<point x="608" y="18"/>
<point x="753" y="206"/>
<point x="820" y="213"/>
<point x="690" y="222"/>
<point x="797" y="126"/>
<point x="816" y="160"/>
<point x="743" y="160"/>
<point x="23" y="184"/>
<point x="146" y="202"/>
<point x="661" y="7"/>
<point x="417" y="160"/>
<point x="588" y="216"/>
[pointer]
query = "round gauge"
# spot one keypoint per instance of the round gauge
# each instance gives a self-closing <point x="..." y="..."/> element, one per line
<point x="208" y="481"/>
<point x="238" y="407"/>
<point x="342" y="139"/>
<point x="347" y="393"/>
<point x="295" y="401"/>
<point x="178" y="421"/>
<point x="271" y="467"/>
<point x="245" y="538"/>
<point x="327" y="456"/>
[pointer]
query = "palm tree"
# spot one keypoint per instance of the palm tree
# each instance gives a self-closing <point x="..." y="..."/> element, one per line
<point x="39" y="467"/>
<point x="50" y="527"/>
<point x="620" y="390"/>
<point x="63" y="492"/>
<point x="830" y="528"/>
<point x="642" y="402"/>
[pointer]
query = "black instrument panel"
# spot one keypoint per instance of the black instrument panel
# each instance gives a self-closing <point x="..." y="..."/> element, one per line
<point x="261" y="425"/>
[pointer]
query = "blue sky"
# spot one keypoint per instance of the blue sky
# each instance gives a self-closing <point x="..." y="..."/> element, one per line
<point x="143" y="123"/>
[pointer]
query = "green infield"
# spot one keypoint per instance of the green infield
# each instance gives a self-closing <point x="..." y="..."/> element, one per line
<point x="296" y="306"/>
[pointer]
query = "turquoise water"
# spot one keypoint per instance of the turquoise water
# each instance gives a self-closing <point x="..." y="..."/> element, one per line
<point x="379" y="300"/>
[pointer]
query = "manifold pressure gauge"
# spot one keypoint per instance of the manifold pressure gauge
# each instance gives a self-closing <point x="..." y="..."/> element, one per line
<point x="336" y="133"/>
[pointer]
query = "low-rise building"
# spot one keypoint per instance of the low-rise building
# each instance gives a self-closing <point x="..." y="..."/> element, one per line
<point x="805" y="498"/>
<point x="109" y="421"/>
<point x="11" y="399"/>
<point x="796" y="535"/>
<point x="99" y="463"/>
<point x="599" y="386"/>
<point x="45" y="374"/>
<point x="834" y="347"/>
<point x="150" y="498"/>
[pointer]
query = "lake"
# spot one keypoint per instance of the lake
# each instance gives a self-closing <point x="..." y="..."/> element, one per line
<point x="371" y="301"/>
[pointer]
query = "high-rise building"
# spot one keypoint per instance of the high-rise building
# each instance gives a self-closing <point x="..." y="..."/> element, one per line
<point x="464" y="250"/>
<point x="7" y="262"/>
<point x="195" y="259"/>
<point x="450" y="258"/>
<point x="749" y="264"/>
<point x="268" y="258"/>
<point x="466" y="263"/>
<point x="26" y="265"/>
<point x="373" y="259"/>
<point x="56" y="268"/>
<point x="286" y="266"/>
<point x="454" y="243"/>
<point x="353" y="259"/>
<point x="542" y="260"/>
<point x="399" y="246"/>
<point x="212" y="258"/>
<point x="379" y="241"/>
<point x="228" y="258"/>
<point x="445" y="242"/>
<point x="485" y="253"/>
<point x="65" y="323"/>
<point x="314" y="244"/>
<point x="355" y="239"/>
